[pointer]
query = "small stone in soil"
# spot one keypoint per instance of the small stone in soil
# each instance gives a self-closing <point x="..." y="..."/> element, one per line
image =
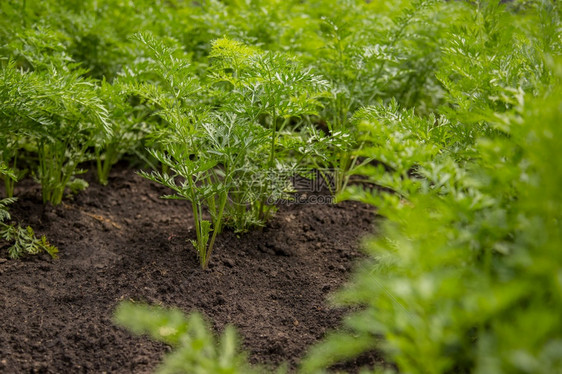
<point x="229" y="262"/>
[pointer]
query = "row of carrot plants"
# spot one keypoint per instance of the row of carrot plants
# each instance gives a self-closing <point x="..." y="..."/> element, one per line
<point x="449" y="112"/>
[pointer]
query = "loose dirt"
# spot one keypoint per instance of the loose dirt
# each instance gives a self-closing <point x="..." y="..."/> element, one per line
<point x="122" y="242"/>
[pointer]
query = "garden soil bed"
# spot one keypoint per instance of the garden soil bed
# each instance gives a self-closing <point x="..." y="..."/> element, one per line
<point x="122" y="242"/>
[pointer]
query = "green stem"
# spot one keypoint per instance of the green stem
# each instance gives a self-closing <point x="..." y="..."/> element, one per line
<point x="196" y="217"/>
<point x="216" y="230"/>
<point x="43" y="171"/>
<point x="10" y="183"/>
<point x="104" y="167"/>
<point x="99" y="166"/>
<point x="273" y="137"/>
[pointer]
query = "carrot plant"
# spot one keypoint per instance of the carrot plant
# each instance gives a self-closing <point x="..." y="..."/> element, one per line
<point x="272" y="89"/>
<point x="202" y="153"/>
<point x="23" y="240"/>
<point x="195" y="348"/>
<point x="128" y="126"/>
<point x="50" y="110"/>
<point x="210" y="160"/>
<point x="58" y="112"/>
<point x="369" y="52"/>
<point x="216" y="147"/>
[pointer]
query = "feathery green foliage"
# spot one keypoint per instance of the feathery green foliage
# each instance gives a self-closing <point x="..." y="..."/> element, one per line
<point x="217" y="148"/>
<point x="195" y="348"/>
<point x="267" y="88"/>
<point x="465" y="275"/>
<point x="447" y="112"/>
<point x="24" y="240"/>
<point x="59" y="113"/>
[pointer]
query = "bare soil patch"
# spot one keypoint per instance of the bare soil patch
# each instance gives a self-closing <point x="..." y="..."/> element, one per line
<point x="123" y="242"/>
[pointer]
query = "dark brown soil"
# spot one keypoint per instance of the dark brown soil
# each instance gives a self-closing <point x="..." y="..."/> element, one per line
<point x="122" y="242"/>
